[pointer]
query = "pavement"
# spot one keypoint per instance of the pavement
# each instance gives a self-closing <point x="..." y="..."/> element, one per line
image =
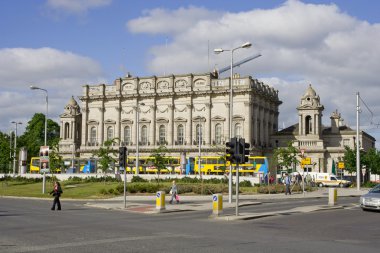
<point x="146" y="204"/>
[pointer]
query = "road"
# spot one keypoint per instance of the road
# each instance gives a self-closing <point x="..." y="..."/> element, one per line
<point x="28" y="225"/>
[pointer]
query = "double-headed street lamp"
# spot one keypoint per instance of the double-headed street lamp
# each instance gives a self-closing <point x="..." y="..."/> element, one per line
<point x="218" y="51"/>
<point x="47" y="106"/>
<point x="137" y="136"/>
<point x="14" y="151"/>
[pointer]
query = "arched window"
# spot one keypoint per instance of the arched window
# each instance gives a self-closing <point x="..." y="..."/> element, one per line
<point x="308" y="125"/>
<point x="162" y="135"/>
<point x="238" y="130"/>
<point x="180" y="134"/>
<point x="218" y="134"/>
<point x="144" y="135"/>
<point x="67" y="130"/>
<point x="127" y="135"/>
<point x="93" y="136"/>
<point x="198" y="133"/>
<point x="109" y="133"/>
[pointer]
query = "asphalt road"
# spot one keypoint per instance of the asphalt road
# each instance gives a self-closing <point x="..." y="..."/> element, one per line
<point x="30" y="226"/>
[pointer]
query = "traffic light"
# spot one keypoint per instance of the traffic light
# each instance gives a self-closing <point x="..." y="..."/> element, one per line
<point x="231" y="150"/>
<point x="243" y="151"/>
<point x="123" y="157"/>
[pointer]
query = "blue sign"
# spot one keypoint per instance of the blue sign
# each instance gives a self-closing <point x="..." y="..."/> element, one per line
<point x="158" y="194"/>
<point x="214" y="198"/>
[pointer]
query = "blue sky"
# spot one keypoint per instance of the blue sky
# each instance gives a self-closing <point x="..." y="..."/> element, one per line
<point x="61" y="45"/>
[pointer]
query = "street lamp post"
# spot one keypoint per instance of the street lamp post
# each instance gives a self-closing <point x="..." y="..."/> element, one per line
<point x="47" y="107"/>
<point x="46" y="116"/>
<point x="218" y="51"/>
<point x="15" y="146"/>
<point x="10" y="150"/>
<point x="137" y="136"/>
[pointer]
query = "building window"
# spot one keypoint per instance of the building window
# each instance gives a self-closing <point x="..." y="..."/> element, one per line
<point x="93" y="135"/>
<point x="180" y="134"/>
<point x="144" y="135"/>
<point x="198" y="133"/>
<point x="238" y="130"/>
<point x="67" y="130"/>
<point x="109" y="133"/>
<point x="308" y="125"/>
<point x="162" y="135"/>
<point x="346" y="142"/>
<point x="218" y="134"/>
<point x="127" y="135"/>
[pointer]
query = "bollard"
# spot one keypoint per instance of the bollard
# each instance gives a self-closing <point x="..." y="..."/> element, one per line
<point x="217" y="204"/>
<point x="333" y="196"/>
<point x="160" y="200"/>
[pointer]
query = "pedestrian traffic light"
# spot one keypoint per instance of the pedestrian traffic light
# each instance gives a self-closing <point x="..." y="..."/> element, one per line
<point x="122" y="157"/>
<point x="243" y="151"/>
<point x="231" y="148"/>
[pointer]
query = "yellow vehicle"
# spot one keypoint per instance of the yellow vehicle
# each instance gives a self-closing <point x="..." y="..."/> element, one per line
<point x="217" y="165"/>
<point x="35" y="165"/>
<point x="210" y="165"/>
<point x="146" y="165"/>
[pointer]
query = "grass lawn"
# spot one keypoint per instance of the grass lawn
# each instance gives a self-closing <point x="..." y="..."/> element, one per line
<point x="73" y="191"/>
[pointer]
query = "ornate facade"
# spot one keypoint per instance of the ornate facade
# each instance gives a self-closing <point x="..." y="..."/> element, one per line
<point x="323" y="145"/>
<point x="177" y="111"/>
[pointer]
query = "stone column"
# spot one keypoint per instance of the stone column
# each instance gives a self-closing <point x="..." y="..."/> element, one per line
<point x="152" y="136"/>
<point x="247" y="122"/>
<point x="171" y="125"/>
<point x="207" y="129"/>
<point x="189" y="136"/>
<point x="101" y="126"/>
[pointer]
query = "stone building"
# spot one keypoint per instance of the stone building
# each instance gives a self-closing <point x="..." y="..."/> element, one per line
<point x="178" y="111"/>
<point x="322" y="145"/>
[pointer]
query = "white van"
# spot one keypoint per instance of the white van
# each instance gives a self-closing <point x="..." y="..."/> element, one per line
<point x="326" y="179"/>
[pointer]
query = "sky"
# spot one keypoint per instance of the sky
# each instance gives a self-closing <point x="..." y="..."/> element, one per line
<point x="61" y="45"/>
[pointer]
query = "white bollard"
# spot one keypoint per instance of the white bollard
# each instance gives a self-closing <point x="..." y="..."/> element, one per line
<point x="333" y="196"/>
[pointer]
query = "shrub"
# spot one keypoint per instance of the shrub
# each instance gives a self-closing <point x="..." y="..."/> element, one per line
<point x="245" y="183"/>
<point x="103" y="191"/>
<point x="137" y="179"/>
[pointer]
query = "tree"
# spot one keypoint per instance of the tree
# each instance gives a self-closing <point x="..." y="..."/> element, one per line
<point x="286" y="157"/>
<point x="371" y="160"/>
<point x="34" y="135"/>
<point x="106" y="154"/>
<point x="5" y="159"/>
<point x="55" y="159"/>
<point x="159" y="160"/>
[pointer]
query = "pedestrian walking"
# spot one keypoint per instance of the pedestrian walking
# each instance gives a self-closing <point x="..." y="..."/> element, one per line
<point x="174" y="193"/>
<point x="56" y="192"/>
<point x="288" y="182"/>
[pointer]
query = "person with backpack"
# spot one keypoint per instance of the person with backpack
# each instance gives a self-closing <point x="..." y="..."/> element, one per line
<point x="56" y="192"/>
<point x="174" y="193"/>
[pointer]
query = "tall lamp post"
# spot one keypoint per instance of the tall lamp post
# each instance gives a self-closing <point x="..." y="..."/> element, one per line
<point x="137" y="136"/>
<point x="218" y="51"/>
<point x="46" y="116"/>
<point x="15" y="146"/>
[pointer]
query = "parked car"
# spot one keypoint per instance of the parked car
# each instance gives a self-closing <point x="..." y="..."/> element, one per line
<point x="371" y="200"/>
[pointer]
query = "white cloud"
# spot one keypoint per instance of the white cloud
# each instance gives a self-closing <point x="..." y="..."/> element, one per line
<point x="76" y="6"/>
<point x="61" y="73"/>
<point x="300" y="43"/>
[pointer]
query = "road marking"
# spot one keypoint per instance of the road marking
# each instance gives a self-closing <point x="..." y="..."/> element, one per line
<point x="22" y="249"/>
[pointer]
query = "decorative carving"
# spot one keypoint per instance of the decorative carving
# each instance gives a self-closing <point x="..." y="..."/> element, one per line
<point x="127" y="112"/>
<point x="128" y="86"/>
<point x="180" y="110"/>
<point x="201" y="109"/>
<point x="145" y="85"/>
<point x="164" y="85"/>
<point x="162" y="110"/>
<point x="181" y="83"/>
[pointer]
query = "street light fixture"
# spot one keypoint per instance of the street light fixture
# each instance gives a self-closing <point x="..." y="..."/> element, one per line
<point x="15" y="146"/>
<point x="46" y="116"/>
<point x="137" y="136"/>
<point x="47" y="106"/>
<point x="218" y="51"/>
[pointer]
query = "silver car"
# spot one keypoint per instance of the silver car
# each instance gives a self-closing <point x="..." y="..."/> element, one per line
<point x="371" y="200"/>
